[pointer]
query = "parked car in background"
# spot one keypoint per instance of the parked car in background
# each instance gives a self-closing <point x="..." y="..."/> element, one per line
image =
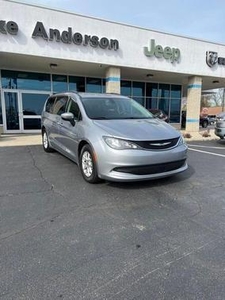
<point x="203" y="121"/>
<point x="220" y="125"/>
<point x="212" y="119"/>
<point x="158" y="113"/>
<point x="111" y="137"/>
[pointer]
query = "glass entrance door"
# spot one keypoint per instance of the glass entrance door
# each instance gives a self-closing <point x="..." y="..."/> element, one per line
<point x="22" y="111"/>
<point x="32" y="105"/>
<point x="12" y="112"/>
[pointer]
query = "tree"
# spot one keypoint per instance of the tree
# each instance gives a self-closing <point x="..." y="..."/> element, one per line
<point x="218" y="98"/>
<point x="213" y="98"/>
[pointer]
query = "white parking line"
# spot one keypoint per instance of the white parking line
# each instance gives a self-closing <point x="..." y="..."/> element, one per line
<point x="200" y="146"/>
<point x="206" y="152"/>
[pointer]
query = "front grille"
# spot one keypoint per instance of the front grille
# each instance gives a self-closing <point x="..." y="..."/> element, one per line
<point x="157" y="144"/>
<point x="151" y="169"/>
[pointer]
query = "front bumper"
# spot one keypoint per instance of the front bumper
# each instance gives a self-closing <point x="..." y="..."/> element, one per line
<point x="136" y="165"/>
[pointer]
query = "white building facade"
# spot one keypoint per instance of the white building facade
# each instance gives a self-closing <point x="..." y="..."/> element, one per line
<point x="43" y="51"/>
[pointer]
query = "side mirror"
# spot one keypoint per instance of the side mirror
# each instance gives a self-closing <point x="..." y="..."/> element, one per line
<point x="68" y="117"/>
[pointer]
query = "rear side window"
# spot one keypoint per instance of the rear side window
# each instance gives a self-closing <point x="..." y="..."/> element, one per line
<point x="60" y="105"/>
<point x="49" y="105"/>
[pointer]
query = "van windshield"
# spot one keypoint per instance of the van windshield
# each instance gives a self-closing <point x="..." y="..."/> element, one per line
<point x="105" y="108"/>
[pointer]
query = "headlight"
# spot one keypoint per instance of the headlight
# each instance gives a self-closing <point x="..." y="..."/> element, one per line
<point x="119" y="144"/>
<point x="181" y="141"/>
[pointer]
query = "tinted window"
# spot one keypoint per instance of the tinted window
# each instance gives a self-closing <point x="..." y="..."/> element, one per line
<point x="60" y="105"/>
<point x="164" y="90"/>
<point x="151" y="89"/>
<point x="94" y="85"/>
<point x="140" y="100"/>
<point x="59" y="83"/>
<point x="126" y="88"/>
<point x="175" y="107"/>
<point x="151" y="102"/>
<point x="138" y="89"/>
<point x="31" y="124"/>
<point x="77" y="83"/>
<point x="0" y="110"/>
<point x="12" y="110"/>
<point x="33" y="103"/>
<point x="175" y="91"/>
<point x="25" y="80"/>
<point x="164" y="105"/>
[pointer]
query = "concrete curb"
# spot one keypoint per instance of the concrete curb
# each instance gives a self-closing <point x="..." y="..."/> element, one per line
<point x="9" y="140"/>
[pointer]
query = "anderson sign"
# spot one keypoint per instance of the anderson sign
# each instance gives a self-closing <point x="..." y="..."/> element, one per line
<point x="8" y="27"/>
<point x="66" y="36"/>
<point x="172" y="54"/>
<point x="77" y="38"/>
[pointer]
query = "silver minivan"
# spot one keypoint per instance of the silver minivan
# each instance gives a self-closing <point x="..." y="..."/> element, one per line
<point x="111" y="137"/>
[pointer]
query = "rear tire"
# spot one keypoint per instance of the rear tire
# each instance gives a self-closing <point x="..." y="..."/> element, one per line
<point x="88" y="165"/>
<point x="45" y="142"/>
<point x="204" y="124"/>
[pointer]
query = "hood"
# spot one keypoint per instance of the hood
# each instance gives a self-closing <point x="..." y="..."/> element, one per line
<point x="138" y="129"/>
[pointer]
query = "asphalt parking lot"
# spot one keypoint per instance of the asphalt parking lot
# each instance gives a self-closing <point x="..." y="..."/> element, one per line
<point x="62" y="238"/>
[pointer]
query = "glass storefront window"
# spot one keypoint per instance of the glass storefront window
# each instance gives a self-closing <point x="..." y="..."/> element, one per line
<point x="93" y="85"/>
<point x="77" y="83"/>
<point x="138" y="89"/>
<point x="104" y="85"/>
<point x="0" y="109"/>
<point x="140" y="100"/>
<point x="125" y="88"/>
<point x="176" y="91"/>
<point x="149" y="94"/>
<point x="175" y="107"/>
<point x="151" y="89"/>
<point x="59" y="83"/>
<point x="25" y="80"/>
<point x="164" y="91"/>
<point x="151" y="103"/>
<point x="164" y="105"/>
<point x="33" y="103"/>
<point x="12" y="110"/>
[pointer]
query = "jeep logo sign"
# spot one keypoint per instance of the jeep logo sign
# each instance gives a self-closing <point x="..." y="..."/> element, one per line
<point x="172" y="54"/>
<point x="212" y="59"/>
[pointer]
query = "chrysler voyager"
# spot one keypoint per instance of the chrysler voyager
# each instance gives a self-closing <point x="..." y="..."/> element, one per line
<point x="111" y="137"/>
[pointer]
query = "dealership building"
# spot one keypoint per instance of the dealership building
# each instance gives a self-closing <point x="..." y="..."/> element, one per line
<point x="44" y="51"/>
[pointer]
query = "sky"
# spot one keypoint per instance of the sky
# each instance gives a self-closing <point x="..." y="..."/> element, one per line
<point x="200" y="19"/>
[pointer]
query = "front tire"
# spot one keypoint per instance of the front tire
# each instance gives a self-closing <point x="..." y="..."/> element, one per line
<point x="88" y="165"/>
<point x="45" y="142"/>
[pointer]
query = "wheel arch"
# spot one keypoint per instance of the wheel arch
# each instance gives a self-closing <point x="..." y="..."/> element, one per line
<point x="81" y="145"/>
